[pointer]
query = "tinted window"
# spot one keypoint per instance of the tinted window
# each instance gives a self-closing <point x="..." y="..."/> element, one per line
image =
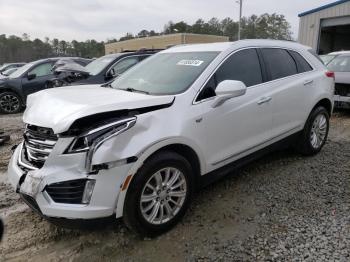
<point x="279" y="63"/>
<point x="42" y="70"/>
<point x="302" y="64"/>
<point x="242" y="66"/>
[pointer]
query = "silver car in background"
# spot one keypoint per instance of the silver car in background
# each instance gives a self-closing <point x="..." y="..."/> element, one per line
<point x="339" y="63"/>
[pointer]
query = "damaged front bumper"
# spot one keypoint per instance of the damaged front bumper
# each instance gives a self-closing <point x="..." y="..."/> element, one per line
<point x="47" y="189"/>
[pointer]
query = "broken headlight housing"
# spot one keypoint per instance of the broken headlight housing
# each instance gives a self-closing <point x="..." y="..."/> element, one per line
<point x="92" y="139"/>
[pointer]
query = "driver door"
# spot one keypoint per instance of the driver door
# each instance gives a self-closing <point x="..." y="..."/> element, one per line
<point x="242" y="124"/>
<point x="42" y="74"/>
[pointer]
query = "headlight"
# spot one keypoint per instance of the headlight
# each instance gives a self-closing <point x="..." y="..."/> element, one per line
<point x="92" y="139"/>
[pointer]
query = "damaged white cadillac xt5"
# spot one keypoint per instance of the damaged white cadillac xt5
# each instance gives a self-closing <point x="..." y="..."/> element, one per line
<point x="140" y="147"/>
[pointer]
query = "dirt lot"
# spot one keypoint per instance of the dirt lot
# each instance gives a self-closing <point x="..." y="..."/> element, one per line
<point x="282" y="207"/>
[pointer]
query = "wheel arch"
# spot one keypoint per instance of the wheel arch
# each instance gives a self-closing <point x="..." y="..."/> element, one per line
<point x="326" y="103"/>
<point x="181" y="148"/>
<point x="188" y="153"/>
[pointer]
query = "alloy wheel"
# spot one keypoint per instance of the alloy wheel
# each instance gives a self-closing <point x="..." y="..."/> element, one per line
<point x="9" y="103"/>
<point x="318" y="131"/>
<point x="163" y="195"/>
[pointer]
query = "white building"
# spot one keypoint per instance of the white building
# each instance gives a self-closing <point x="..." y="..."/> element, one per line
<point x="326" y="28"/>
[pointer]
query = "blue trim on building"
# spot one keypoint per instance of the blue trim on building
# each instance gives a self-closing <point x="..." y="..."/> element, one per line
<point x="323" y="7"/>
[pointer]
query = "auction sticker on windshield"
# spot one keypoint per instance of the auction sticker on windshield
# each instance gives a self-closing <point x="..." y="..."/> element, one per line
<point x="31" y="185"/>
<point x="190" y="62"/>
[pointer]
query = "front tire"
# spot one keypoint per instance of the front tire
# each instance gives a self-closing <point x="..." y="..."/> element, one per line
<point x="315" y="132"/>
<point x="10" y="103"/>
<point x="159" y="194"/>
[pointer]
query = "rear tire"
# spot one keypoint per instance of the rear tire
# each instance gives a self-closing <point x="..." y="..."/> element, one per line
<point x="159" y="194"/>
<point x="10" y="103"/>
<point x="315" y="132"/>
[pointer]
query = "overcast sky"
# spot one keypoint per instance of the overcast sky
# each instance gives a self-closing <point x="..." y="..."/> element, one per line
<point x="103" y="19"/>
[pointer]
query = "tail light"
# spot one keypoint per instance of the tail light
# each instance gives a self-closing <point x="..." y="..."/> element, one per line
<point x="330" y="74"/>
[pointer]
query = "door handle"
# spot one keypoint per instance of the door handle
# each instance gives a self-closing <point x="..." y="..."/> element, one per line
<point x="264" y="100"/>
<point x="308" y="82"/>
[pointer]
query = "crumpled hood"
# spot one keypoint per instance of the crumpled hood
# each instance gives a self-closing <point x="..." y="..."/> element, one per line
<point x="72" y="68"/>
<point x="58" y="108"/>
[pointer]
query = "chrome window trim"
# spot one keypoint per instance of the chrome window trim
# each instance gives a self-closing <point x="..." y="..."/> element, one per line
<point x="194" y="102"/>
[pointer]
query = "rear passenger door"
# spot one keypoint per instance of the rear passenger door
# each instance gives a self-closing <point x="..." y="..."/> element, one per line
<point x="289" y="83"/>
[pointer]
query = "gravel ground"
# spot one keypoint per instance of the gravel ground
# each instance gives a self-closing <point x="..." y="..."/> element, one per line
<point x="283" y="207"/>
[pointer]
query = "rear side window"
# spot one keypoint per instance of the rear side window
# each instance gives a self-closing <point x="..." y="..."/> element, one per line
<point x="242" y="66"/>
<point x="279" y="63"/>
<point x="302" y="65"/>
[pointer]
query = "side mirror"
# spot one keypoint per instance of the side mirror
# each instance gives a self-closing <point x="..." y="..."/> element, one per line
<point x="31" y="76"/>
<point x="109" y="74"/>
<point x="228" y="89"/>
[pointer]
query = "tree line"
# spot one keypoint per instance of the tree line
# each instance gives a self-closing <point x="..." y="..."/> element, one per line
<point x="23" y="49"/>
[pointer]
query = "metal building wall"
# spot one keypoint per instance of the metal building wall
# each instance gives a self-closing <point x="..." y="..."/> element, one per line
<point x="309" y="25"/>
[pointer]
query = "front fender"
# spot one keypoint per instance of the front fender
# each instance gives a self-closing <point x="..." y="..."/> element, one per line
<point x="144" y="155"/>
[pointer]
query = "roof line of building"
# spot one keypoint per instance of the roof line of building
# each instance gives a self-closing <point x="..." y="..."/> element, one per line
<point x="323" y="7"/>
<point x="167" y="35"/>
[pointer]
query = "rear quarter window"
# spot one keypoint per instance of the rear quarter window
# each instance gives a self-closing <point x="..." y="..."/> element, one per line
<point x="302" y="65"/>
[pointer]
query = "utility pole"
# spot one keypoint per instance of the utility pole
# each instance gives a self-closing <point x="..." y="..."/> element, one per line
<point x="240" y="2"/>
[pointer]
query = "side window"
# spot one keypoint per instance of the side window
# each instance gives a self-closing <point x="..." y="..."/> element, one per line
<point x="302" y="64"/>
<point x="279" y="63"/>
<point x="124" y="65"/>
<point x="242" y="66"/>
<point x="42" y="70"/>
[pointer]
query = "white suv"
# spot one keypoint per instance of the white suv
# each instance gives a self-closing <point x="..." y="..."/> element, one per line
<point x="140" y="147"/>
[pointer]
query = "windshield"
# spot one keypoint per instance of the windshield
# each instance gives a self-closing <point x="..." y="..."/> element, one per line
<point x="96" y="66"/>
<point x="21" y="70"/>
<point x="165" y="73"/>
<point x="327" y="58"/>
<point x="340" y="64"/>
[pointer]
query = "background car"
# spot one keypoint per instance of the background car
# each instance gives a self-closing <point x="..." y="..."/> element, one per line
<point x="340" y="65"/>
<point x="329" y="57"/>
<point x="7" y="72"/>
<point x="6" y="66"/>
<point x="28" y="79"/>
<point x="101" y="70"/>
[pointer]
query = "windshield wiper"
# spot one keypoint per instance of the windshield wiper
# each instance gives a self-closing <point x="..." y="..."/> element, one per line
<point x="130" y="89"/>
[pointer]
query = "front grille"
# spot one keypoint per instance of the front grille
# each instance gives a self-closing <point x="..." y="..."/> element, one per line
<point x="38" y="144"/>
<point x="342" y="89"/>
<point x="68" y="192"/>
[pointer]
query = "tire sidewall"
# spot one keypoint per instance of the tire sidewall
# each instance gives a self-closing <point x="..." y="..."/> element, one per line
<point x="307" y="132"/>
<point x="132" y="202"/>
